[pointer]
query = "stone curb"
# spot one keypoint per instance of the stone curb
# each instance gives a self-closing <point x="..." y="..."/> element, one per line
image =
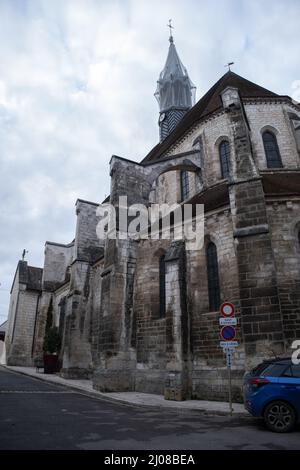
<point x="105" y="397"/>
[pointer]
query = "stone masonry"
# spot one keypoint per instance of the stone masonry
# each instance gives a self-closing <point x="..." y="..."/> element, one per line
<point x="137" y="314"/>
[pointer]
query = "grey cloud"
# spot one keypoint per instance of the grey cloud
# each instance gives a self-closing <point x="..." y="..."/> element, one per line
<point x="76" y="85"/>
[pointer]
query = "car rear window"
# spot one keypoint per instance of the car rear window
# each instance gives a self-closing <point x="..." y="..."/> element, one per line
<point x="296" y="370"/>
<point x="258" y="369"/>
<point x="274" y="370"/>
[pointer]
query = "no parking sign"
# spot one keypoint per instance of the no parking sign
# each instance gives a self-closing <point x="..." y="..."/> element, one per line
<point x="228" y="333"/>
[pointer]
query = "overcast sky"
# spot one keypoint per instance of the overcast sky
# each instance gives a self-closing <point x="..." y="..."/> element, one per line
<point x="77" y="79"/>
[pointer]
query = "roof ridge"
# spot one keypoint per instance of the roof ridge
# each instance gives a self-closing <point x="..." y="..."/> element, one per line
<point x="206" y="105"/>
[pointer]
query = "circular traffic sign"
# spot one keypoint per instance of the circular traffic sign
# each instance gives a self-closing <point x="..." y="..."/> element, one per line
<point x="228" y="333"/>
<point x="227" y="309"/>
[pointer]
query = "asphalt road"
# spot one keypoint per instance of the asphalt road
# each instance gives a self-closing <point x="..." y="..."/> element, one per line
<point x="37" y="415"/>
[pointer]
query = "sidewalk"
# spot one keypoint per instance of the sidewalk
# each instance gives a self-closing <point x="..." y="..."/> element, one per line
<point x="145" y="400"/>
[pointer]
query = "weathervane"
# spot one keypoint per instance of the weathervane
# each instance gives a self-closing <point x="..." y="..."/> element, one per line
<point x="228" y="65"/>
<point x="24" y="254"/>
<point x="170" y="27"/>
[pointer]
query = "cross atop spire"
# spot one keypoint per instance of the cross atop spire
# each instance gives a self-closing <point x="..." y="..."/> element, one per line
<point x="170" y="27"/>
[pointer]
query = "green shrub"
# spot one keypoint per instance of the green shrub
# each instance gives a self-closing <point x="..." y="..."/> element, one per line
<point x="52" y="341"/>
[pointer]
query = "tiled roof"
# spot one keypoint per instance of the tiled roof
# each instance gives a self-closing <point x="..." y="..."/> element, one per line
<point x="3" y="326"/>
<point x="208" y="104"/>
<point x="30" y="275"/>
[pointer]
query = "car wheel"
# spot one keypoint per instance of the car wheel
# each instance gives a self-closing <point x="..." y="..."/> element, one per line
<point x="279" y="416"/>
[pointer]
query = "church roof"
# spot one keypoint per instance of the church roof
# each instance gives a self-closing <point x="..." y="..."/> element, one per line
<point x="208" y="104"/>
<point x="29" y="275"/>
<point x="3" y="327"/>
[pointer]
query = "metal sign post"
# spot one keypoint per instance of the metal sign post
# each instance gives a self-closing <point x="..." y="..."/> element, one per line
<point x="228" y="343"/>
<point x="228" y="361"/>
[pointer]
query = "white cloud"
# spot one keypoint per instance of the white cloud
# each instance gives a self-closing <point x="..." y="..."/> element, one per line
<point x="77" y="79"/>
<point x="296" y="90"/>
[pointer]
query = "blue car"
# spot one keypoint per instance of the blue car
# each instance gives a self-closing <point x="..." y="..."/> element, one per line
<point x="272" y="391"/>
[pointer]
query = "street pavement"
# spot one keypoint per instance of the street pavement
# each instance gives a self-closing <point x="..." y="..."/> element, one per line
<point x="36" y="415"/>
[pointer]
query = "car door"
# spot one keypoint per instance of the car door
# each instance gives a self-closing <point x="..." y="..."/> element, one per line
<point x="289" y="384"/>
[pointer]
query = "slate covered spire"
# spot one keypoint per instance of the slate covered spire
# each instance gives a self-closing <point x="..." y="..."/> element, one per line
<point x="175" y="92"/>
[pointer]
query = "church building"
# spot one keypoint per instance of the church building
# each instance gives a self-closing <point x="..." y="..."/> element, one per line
<point x="143" y="314"/>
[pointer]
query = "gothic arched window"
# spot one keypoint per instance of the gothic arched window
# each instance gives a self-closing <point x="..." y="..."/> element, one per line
<point x="224" y="152"/>
<point x="271" y="150"/>
<point x="213" y="277"/>
<point x="185" y="187"/>
<point x="162" y="287"/>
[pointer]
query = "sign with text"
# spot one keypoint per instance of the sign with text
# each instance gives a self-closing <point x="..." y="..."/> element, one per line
<point x="228" y="321"/>
<point x="229" y="344"/>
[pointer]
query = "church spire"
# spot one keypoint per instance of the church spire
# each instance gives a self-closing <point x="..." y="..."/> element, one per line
<point x="175" y="91"/>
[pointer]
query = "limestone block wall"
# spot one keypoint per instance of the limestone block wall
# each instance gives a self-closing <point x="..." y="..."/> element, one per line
<point x="261" y="312"/>
<point x="284" y="221"/>
<point x="59" y="294"/>
<point x="41" y="320"/>
<point x="57" y="259"/>
<point x="209" y="373"/>
<point x="88" y="247"/>
<point x="168" y="187"/>
<point x="13" y="307"/>
<point x="150" y="327"/>
<point x="117" y="358"/>
<point x="20" y="342"/>
<point x="211" y="132"/>
<point x="260" y="116"/>
<point x="95" y="307"/>
<point x="139" y="182"/>
<point x="272" y="116"/>
<point x="77" y="358"/>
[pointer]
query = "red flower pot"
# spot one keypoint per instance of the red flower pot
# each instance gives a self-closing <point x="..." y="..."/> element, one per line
<point x="50" y="363"/>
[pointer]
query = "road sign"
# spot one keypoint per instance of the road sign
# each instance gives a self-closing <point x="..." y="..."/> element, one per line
<point x="227" y="309"/>
<point x="229" y="344"/>
<point x="228" y="333"/>
<point x="228" y="321"/>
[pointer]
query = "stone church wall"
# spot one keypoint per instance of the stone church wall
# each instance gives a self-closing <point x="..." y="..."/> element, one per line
<point x="208" y="371"/>
<point x="88" y="247"/>
<point x="56" y="262"/>
<point x="271" y="116"/>
<point x="150" y="327"/>
<point x="19" y="344"/>
<point x="95" y="310"/>
<point x="284" y="220"/>
<point x="211" y="132"/>
<point x="13" y="306"/>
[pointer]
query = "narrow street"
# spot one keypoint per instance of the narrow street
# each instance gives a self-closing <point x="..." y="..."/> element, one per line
<point x="37" y="415"/>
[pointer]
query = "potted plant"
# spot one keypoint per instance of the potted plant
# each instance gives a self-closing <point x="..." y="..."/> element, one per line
<point x="52" y="344"/>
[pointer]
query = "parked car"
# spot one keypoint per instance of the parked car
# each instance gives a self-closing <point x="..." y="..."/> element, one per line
<point x="272" y="391"/>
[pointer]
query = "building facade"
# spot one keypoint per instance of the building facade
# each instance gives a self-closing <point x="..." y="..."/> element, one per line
<point x="143" y="314"/>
